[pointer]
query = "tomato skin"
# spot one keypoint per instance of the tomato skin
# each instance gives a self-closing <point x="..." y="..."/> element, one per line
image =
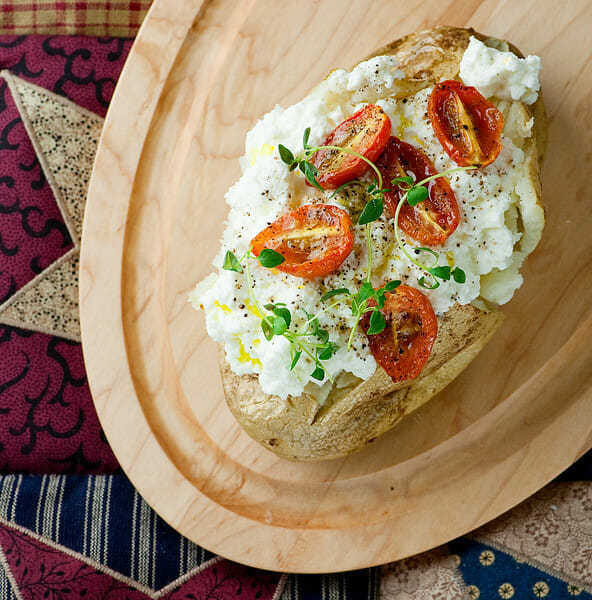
<point x="365" y="132"/>
<point x="314" y="240"/>
<point x="411" y="321"/>
<point x="432" y="221"/>
<point x="472" y="137"/>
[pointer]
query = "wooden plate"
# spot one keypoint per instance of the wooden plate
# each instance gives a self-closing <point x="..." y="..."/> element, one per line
<point x="199" y="75"/>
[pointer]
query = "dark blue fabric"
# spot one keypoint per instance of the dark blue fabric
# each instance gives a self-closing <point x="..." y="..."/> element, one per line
<point x="104" y="518"/>
<point x="28" y="500"/>
<point x="488" y="577"/>
<point x="117" y="505"/>
<point x="497" y="575"/>
<point x="354" y="585"/>
<point x="580" y="470"/>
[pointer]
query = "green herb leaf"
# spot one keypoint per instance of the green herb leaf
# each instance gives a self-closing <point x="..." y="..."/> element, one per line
<point x="428" y="250"/>
<point x="416" y="195"/>
<point x="366" y="291"/>
<point x="329" y="351"/>
<point x="381" y="300"/>
<point x="311" y="172"/>
<point x="392" y="285"/>
<point x="279" y="326"/>
<point x="377" y="323"/>
<point x="284" y="314"/>
<point x="286" y="155"/>
<point x="422" y="283"/>
<point x="270" y="258"/>
<point x="372" y="211"/>
<point x="323" y="335"/>
<point x="231" y="263"/>
<point x="267" y="330"/>
<point x="440" y="272"/>
<point x="399" y="180"/>
<point x="357" y="305"/>
<point x="295" y="358"/>
<point x="305" y="138"/>
<point x="313" y="322"/>
<point x="336" y="292"/>
<point x="318" y="373"/>
<point x="459" y="275"/>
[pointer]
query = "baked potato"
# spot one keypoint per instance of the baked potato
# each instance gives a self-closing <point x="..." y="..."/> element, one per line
<point x="355" y="411"/>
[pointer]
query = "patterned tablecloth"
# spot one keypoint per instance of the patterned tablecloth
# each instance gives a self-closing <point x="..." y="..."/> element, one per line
<point x="71" y="524"/>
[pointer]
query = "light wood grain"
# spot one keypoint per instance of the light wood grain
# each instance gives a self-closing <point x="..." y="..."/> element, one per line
<point x="199" y="75"/>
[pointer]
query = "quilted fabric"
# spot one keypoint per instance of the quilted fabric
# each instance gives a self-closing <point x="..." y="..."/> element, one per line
<point x="120" y="18"/>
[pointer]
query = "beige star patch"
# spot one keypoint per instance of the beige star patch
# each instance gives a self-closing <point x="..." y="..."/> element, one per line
<point x="65" y="137"/>
<point x="433" y="574"/>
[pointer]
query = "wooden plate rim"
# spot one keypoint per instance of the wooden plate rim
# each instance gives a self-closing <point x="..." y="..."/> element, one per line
<point x="110" y="373"/>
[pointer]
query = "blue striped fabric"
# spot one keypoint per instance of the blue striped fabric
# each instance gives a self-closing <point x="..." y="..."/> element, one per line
<point x="105" y="519"/>
<point x="355" y="585"/>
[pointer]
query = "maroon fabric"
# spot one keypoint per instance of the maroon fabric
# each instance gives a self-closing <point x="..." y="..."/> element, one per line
<point x="80" y="68"/>
<point x="48" y="423"/>
<point x="32" y="231"/>
<point x="44" y="570"/>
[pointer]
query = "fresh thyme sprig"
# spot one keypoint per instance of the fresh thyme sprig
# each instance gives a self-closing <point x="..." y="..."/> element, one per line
<point x="360" y="304"/>
<point x="303" y="162"/>
<point x="276" y="318"/>
<point x="374" y="207"/>
<point x="414" y="193"/>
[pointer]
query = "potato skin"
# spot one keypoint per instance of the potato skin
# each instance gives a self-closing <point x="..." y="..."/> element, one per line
<point x="297" y="428"/>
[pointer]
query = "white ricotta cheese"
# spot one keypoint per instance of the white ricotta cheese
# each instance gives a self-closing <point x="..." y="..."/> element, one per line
<point x="500" y="74"/>
<point x="379" y="73"/>
<point x="483" y="243"/>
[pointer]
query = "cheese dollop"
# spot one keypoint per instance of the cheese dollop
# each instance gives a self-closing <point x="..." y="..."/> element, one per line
<point x="500" y="74"/>
<point x="484" y="244"/>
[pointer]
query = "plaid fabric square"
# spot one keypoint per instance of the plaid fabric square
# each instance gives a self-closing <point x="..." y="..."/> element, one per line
<point x="117" y="18"/>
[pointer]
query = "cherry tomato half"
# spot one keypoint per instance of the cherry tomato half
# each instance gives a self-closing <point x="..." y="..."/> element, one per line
<point x="365" y="132"/>
<point x="431" y="221"/>
<point x="467" y="125"/>
<point x="404" y="346"/>
<point x="313" y="239"/>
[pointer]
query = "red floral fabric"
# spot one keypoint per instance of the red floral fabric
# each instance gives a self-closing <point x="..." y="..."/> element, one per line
<point x="42" y="569"/>
<point x="48" y="423"/>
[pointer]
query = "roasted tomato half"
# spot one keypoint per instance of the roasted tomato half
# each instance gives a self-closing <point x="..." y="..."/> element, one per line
<point x="313" y="239"/>
<point x="404" y="346"/>
<point x="431" y="221"/>
<point x="467" y="125"/>
<point x="365" y="132"/>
